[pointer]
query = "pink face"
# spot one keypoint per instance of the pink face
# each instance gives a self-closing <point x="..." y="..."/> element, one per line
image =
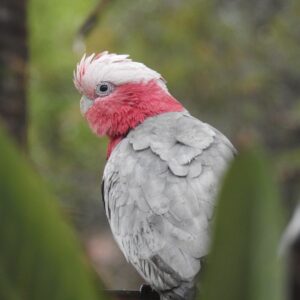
<point x="118" y="93"/>
<point x="112" y="110"/>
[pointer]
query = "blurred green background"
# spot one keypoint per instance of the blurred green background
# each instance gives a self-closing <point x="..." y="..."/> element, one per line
<point x="233" y="63"/>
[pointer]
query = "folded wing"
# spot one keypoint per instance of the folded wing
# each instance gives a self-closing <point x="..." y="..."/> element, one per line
<point x="160" y="185"/>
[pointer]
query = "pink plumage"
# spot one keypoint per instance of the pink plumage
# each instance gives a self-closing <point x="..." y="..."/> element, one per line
<point x="128" y="106"/>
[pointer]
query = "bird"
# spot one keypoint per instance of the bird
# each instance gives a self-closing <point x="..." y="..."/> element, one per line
<point x="162" y="173"/>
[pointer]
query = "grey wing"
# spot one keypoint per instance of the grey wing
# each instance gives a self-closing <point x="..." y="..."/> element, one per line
<point x="160" y="186"/>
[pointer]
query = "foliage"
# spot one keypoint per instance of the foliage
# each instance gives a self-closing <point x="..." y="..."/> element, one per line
<point x="244" y="261"/>
<point x="39" y="256"/>
<point x="62" y="147"/>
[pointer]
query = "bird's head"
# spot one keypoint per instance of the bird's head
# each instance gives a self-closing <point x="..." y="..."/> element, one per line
<point x="118" y="93"/>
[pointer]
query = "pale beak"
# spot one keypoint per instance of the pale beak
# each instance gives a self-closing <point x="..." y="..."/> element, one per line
<point x="85" y="104"/>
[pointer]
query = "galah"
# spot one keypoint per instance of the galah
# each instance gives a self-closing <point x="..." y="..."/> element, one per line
<point x="162" y="172"/>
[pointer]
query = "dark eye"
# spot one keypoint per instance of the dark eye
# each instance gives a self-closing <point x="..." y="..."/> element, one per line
<point x="104" y="88"/>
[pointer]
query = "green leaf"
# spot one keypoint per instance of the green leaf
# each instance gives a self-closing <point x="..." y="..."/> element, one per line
<point x="39" y="255"/>
<point x="244" y="262"/>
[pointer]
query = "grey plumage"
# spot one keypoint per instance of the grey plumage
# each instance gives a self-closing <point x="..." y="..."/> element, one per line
<point x="159" y="189"/>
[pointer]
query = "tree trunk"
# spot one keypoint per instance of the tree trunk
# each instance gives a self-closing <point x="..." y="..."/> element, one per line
<point x="13" y="68"/>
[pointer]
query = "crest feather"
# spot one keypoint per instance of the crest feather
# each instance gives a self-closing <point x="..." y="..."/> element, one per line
<point x="117" y="68"/>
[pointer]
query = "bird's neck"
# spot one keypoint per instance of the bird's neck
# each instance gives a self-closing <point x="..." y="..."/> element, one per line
<point x="151" y="101"/>
<point x="113" y="142"/>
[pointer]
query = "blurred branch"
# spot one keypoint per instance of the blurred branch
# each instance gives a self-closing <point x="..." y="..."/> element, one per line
<point x="88" y="25"/>
<point x="13" y="74"/>
<point x="146" y="293"/>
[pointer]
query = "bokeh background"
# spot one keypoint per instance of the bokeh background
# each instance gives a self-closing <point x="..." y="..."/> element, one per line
<point x="233" y="63"/>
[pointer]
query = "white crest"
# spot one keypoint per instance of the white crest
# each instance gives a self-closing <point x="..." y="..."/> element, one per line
<point x="117" y="69"/>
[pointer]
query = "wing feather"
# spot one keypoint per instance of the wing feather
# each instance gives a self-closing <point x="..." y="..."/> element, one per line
<point x="160" y="185"/>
